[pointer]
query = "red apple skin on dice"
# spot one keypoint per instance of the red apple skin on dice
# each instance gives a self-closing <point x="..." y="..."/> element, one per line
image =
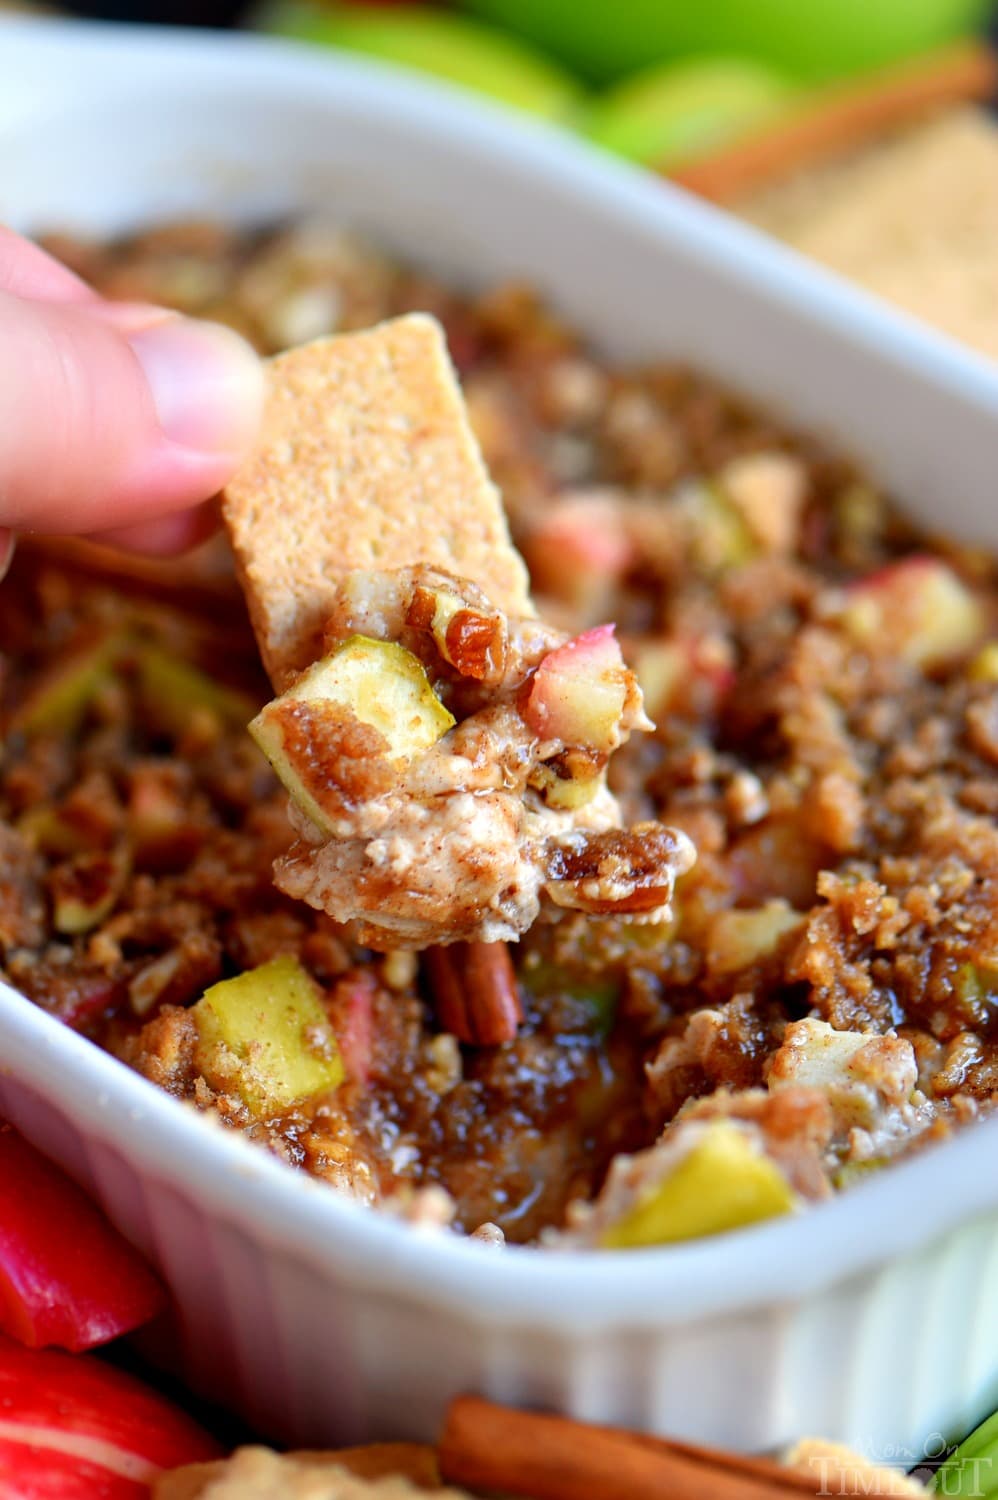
<point x="918" y="608"/>
<point x="73" y="1428"/>
<point x="579" y="692"/>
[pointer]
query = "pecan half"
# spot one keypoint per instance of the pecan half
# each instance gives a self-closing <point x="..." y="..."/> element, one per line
<point x="473" y="986"/>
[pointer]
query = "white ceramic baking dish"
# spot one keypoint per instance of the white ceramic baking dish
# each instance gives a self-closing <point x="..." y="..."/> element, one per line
<point x="874" y="1319"/>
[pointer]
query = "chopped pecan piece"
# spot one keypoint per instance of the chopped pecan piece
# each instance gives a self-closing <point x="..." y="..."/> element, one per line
<point x="625" y="870"/>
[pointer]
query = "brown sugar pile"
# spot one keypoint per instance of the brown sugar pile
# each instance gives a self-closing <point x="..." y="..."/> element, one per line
<point x="913" y="218"/>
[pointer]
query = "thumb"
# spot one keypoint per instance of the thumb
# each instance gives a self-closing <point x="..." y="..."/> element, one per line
<point x="111" y="415"/>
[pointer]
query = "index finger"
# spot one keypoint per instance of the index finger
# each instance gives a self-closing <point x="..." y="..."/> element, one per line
<point x="27" y="271"/>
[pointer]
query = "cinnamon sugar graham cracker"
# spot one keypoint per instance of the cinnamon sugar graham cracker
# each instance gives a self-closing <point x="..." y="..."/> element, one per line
<point x="367" y="460"/>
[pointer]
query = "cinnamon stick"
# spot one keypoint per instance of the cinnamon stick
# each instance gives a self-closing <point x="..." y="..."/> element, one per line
<point x="842" y="118"/>
<point x="494" y="1449"/>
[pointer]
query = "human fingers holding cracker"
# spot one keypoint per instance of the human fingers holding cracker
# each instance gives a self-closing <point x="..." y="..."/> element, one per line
<point x="115" y="419"/>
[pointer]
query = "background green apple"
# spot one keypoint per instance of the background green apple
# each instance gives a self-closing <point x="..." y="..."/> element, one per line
<point x="605" y="39"/>
<point x="674" y="112"/>
<point x="454" y="47"/>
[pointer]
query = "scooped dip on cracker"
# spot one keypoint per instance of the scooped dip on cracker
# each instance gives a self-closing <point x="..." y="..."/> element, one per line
<point x="445" y="750"/>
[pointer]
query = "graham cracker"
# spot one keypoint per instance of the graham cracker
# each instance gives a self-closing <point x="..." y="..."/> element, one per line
<point x="367" y="460"/>
<point x="913" y="217"/>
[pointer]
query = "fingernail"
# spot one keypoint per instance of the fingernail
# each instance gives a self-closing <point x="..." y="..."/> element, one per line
<point x="206" y="383"/>
<point x="7" y="544"/>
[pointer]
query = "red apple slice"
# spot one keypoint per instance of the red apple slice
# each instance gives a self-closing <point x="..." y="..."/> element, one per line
<point x="66" y="1276"/>
<point x="579" y="691"/>
<point x="72" y="1428"/>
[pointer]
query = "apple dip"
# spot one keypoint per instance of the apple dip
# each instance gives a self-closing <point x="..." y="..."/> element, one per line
<point x="448" y="772"/>
<point x="823" y="681"/>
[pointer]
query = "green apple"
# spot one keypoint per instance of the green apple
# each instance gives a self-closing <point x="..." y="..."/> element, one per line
<point x="972" y="1468"/>
<point x="669" y="114"/>
<point x="172" y="690"/>
<point x="265" y="1035"/>
<point x="58" y="701"/>
<point x="378" y="683"/>
<point x="820" y="39"/>
<point x="724" y="1182"/>
<point x="462" y="51"/>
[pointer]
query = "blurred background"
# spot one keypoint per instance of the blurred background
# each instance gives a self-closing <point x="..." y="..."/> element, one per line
<point x="861" y="132"/>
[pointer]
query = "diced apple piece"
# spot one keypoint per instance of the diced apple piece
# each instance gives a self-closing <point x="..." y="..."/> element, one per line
<point x="718" y="535"/>
<point x="865" y="1078"/>
<point x="43" y="828"/>
<point x="85" y="890"/>
<point x="975" y="990"/>
<point x="164" y="830"/>
<point x="174" y="691"/>
<point x="578" y="693"/>
<point x="984" y="667"/>
<point x="772" y="859"/>
<point x="723" y="1182"/>
<point x="686" y="674"/>
<point x="381" y="685"/>
<point x="384" y="686"/>
<point x="579" y="550"/>
<point x="767" y="490"/>
<point x="566" y="793"/>
<point x="918" y="608"/>
<point x="659" y="667"/>
<point x="976" y="982"/>
<point x="851" y="1173"/>
<point x="353" y="1001"/>
<point x="58" y="702"/>
<point x="738" y="939"/>
<point x="265" y="1036"/>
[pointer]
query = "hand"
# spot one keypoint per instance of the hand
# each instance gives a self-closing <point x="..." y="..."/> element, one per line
<point x="116" y="419"/>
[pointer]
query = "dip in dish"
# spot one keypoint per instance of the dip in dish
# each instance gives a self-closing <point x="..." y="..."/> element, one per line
<point x="826" y="697"/>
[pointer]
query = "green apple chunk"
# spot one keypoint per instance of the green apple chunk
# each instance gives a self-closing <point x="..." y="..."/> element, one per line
<point x="717" y="534"/>
<point x="265" y="1036"/>
<point x="380" y="684"/>
<point x="462" y="51"/>
<point x="918" y="606"/>
<point x="58" y="702"/>
<point x="741" y="938"/>
<point x="724" y="1182"/>
<point x="984" y="667"/>
<point x="173" y="691"/>
<point x="566" y="793"/>
<point x="85" y="889"/>
<point x="671" y="114"/>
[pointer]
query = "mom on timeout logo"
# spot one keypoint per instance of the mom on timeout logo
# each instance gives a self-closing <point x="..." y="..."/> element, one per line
<point x="896" y="1470"/>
